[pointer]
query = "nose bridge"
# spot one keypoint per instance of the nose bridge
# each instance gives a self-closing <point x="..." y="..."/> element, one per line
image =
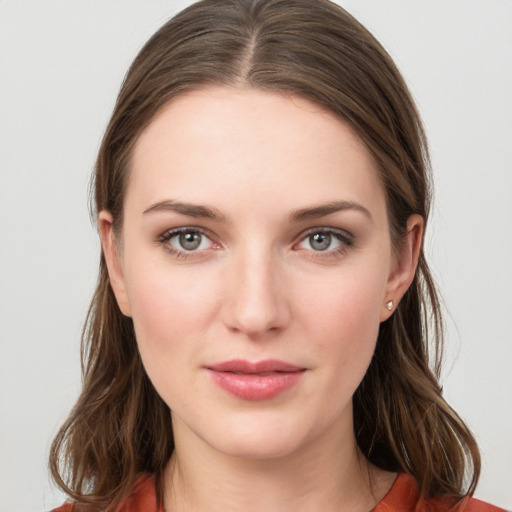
<point x="256" y="301"/>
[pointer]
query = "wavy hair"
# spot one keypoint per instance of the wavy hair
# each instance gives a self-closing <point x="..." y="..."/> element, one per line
<point x="120" y="427"/>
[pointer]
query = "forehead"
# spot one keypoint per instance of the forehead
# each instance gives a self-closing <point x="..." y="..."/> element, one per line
<point x="252" y="147"/>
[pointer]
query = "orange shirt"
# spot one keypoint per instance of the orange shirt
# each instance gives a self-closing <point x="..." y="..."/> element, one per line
<point x="402" y="497"/>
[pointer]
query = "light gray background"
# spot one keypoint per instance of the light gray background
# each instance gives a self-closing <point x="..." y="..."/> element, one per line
<point x="61" y="64"/>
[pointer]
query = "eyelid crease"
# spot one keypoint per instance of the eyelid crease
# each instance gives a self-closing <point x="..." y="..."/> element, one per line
<point x="338" y="233"/>
<point x="171" y="233"/>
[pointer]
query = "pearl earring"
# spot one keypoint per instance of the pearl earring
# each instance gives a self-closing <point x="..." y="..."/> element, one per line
<point x="389" y="305"/>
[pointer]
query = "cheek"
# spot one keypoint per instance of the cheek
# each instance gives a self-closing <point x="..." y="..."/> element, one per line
<point x="343" y="319"/>
<point x="347" y="302"/>
<point x="349" y="333"/>
<point x="169" y="316"/>
<point x="170" y="313"/>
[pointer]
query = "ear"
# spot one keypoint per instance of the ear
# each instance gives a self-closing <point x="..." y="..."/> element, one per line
<point x="113" y="260"/>
<point x="404" y="266"/>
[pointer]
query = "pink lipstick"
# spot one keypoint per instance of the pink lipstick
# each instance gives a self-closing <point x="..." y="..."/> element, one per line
<point x="255" y="381"/>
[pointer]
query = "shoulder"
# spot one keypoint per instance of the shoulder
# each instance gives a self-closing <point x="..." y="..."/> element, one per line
<point x="474" y="505"/>
<point x="67" y="507"/>
<point x="467" y="505"/>
<point x="403" y="497"/>
<point x="142" y="498"/>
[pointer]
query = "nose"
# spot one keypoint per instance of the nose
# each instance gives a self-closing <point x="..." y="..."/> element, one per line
<point x="255" y="302"/>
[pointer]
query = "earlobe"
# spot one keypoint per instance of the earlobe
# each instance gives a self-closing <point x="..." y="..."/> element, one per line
<point x="404" y="268"/>
<point x="113" y="260"/>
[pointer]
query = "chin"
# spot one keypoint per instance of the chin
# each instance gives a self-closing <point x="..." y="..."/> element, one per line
<point x="258" y="449"/>
<point x="258" y="438"/>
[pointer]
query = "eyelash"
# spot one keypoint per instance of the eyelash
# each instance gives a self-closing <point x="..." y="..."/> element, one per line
<point x="165" y="238"/>
<point x="346" y="242"/>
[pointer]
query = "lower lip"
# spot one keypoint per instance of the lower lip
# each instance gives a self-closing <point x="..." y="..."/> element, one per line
<point x="255" y="386"/>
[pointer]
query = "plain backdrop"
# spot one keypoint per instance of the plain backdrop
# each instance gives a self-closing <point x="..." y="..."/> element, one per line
<point x="61" y="64"/>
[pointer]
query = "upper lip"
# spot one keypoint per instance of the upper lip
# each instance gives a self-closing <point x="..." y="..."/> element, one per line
<point x="265" y="366"/>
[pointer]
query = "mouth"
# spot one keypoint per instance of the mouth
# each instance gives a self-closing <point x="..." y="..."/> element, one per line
<point x="261" y="380"/>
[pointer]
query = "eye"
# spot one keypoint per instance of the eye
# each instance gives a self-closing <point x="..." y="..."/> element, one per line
<point x="320" y="241"/>
<point x="190" y="240"/>
<point x="326" y="240"/>
<point x="185" y="240"/>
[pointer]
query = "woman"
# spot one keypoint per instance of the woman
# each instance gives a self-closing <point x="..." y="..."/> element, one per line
<point x="262" y="194"/>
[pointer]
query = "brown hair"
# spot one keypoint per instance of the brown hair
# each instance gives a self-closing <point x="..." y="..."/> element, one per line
<point x="119" y="426"/>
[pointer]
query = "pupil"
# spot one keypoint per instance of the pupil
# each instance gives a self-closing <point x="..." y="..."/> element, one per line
<point x="190" y="241"/>
<point x="320" y="241"/>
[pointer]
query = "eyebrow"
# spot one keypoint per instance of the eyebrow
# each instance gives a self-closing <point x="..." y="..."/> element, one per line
<point x="191" y="210"/>
<point x="302" y="214"/>
<point x="323" y="210"/>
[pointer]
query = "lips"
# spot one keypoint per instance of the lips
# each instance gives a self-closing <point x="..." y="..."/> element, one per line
<point x="261" y="380"/>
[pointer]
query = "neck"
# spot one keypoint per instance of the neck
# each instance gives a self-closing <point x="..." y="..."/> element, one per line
<point x="323" y="475"/>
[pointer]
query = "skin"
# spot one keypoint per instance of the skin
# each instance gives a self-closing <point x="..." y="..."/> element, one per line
<point x="257" y="287"/>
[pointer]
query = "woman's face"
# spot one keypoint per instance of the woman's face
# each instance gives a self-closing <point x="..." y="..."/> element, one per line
<point x="255" y="261"/>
